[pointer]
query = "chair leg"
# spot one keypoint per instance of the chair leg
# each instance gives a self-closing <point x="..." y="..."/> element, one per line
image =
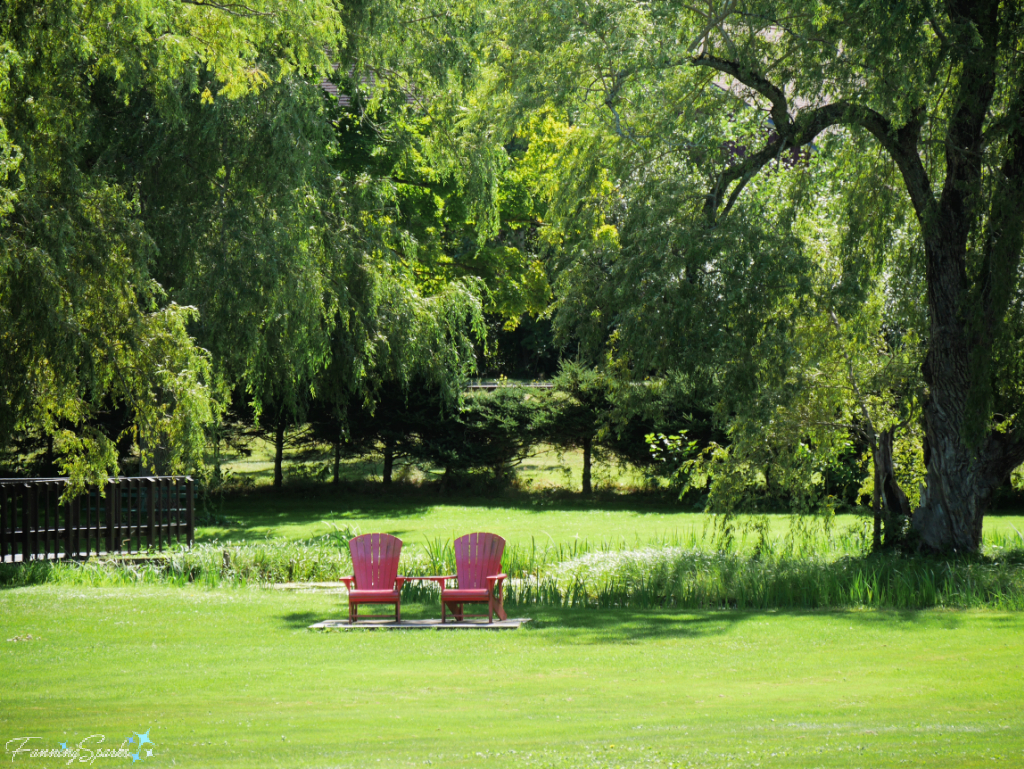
<point x="351" y="612"/>
<point x="443" y="606"/>
<point x="398" y="611"/>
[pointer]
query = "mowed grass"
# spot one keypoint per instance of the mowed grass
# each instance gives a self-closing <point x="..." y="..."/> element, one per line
<point x="231" y="677"/>
<point x="420" y="517"/>
<point x="547" y="467"/>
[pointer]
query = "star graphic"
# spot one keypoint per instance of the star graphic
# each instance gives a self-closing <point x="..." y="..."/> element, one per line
<point x="63" y="746"/>
<point x="144" y="738"/>
<point x="131" y="740"/>
<point x="135" y="757"/>
<point x="149" y="752"/>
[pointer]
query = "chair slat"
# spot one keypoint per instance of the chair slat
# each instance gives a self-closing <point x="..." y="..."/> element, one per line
<point x="375" y="561"/>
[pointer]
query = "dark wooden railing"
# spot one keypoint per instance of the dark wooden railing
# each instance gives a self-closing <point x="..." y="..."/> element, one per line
<point x="132" y="515"/>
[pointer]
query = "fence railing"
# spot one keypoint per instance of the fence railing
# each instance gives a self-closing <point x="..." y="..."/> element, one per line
<point x="131" y="515"/>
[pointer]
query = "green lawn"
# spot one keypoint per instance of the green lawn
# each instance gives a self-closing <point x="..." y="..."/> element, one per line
<point x="231" y="677"/>
<point x="418" y="517"/>
<point x="548" y="467"/>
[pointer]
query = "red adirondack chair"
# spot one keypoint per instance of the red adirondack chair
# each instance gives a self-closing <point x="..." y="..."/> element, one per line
<point x="478" y="571"/>
<point x="376" y="580"/>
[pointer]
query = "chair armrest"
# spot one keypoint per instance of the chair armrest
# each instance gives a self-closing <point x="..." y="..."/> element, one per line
<point x="399" y="581"/>
<point x="348" y="582"/>
<point x="496" y="581"/>
<point x="440" y="580"/>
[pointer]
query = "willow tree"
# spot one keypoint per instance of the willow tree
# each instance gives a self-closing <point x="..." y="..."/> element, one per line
<point x="712" y="97"/>
<point x="88" y="319"/>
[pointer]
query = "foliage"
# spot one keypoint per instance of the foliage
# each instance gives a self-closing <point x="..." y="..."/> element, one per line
<point x="492" y="430"/>
<point x="74" y="231"/>
<point x="700" y="571"/>
<point x="711" y="123"/>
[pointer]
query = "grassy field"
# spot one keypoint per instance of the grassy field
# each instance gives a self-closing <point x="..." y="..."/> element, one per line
<point x="231" y="677"/>
<point x="547" y="468"/>
<point x="542" y="509"/>
<point x="419" y="517"/>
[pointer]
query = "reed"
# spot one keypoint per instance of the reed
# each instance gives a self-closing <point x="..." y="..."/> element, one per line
<point x="211" y="564"/>
<point x="681" y="578"/>
<point x="709" y="568"/>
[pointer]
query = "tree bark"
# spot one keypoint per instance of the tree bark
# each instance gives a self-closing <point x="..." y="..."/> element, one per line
<point x="337" y="459"/>
<point x="588" y="449"/>
<point x="892" y="505"/>
<point x="389" y="460"/>
<point x="960" y="483"/>
<point x="279" y="453"/>
<point x="876" y="498"/>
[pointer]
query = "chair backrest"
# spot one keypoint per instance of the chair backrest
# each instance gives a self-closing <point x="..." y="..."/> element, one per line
<point x="375" y="560"/>
<point x="477" y="556"/>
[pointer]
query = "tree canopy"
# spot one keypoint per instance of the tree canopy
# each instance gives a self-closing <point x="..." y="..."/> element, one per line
<point x="696" y="111"/>
<point x="806" y="213"/>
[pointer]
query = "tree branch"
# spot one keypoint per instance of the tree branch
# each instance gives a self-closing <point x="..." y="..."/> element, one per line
<point x="235" y="9"/>
<point x="751" y="79"/>
<point x="900" y="143"/>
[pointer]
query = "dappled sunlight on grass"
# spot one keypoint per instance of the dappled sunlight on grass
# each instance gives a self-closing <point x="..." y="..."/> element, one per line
<point x="418" y="516"/>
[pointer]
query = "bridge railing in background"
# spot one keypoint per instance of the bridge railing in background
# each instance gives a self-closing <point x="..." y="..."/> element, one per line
<point x="131" y="516"/>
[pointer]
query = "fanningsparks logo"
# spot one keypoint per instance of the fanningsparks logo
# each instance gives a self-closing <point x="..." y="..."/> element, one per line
<point x="86" y="751"/>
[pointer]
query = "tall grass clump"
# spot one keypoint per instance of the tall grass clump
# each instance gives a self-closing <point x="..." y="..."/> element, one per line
<point x="209" y="564"/>
<point x="695" y="579"/>
<point x="752" y="568"/>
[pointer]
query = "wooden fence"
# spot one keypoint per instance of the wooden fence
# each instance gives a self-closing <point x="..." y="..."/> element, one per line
<point x="134" y="514"/>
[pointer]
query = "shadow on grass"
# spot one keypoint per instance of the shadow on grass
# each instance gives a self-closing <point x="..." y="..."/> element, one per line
<point x="579" y="627"/>
<point x="245" y="516"/>
<point x="597" y="626"/>
<point x="301" y="620"/>
<point x="574" y="627"/>
<point x="410" y="610"/>
<point x="622" y="626"/>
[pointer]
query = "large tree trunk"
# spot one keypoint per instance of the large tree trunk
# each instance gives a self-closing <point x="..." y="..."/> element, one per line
<point x="964" y="464"/>
<point x="588" y="450"/>
<point x="279" y="453"/>
<point x="876" y="494"/>
<point x="960" y="482"/>
<point x="966" y="461"/>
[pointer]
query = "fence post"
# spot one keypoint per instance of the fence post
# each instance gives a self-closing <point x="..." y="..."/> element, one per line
<point x="118" y="509"/>
<point x="151" y="507"/>
<point x="108" y="515"/>
<point x="85" y="530"/>
<point x="176" y="496"/>
<point x="132" y="508"/>
<point x="76" y="509"/>
<point x="161" y="518"/>
<point x="26" y="545"/>
<point x="68" y="524"/>
<point x="46" y="520"/>
<point x="190" y="507"/>
<point x="3" y="522"/>
<point x="136" y="486"/>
